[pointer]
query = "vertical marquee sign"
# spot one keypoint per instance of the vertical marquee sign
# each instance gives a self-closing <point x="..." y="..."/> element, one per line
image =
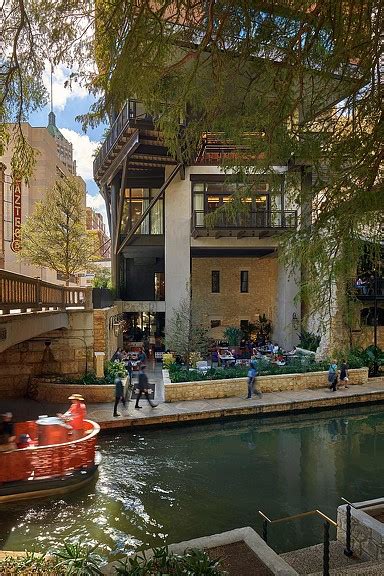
<point x="16" y="206"/>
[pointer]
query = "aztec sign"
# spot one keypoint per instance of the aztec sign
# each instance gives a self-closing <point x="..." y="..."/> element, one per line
<point x="16" y="205"/>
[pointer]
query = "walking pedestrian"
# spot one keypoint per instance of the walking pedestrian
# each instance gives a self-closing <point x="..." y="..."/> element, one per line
<point x="143" y="387"/>
<point x="129" y="367"/>
<point x="252" y="373"/>
<point x="119" y="394"/>
<point x="332" y="376"/>
<point x="344" y="377"/>
<point x="142" y="357"/>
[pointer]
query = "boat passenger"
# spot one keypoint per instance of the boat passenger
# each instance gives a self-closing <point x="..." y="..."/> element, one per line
<point x="7" y="435"/>
<point x="25" y="441"/>
<point x="75" y="415"/>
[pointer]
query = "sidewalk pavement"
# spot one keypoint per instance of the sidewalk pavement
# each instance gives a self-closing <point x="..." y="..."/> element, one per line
<point x="199" y="410"/>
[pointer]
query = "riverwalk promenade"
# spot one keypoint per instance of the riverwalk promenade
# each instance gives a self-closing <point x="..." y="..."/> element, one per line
<point x="199" y="410"/>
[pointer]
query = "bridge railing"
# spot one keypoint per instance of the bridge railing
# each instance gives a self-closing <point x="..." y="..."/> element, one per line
<point x="25" y="293"/>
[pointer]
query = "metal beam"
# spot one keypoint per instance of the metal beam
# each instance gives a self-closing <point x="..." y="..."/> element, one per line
<point x="121" y="204"/>
<point x="151" y="205"/>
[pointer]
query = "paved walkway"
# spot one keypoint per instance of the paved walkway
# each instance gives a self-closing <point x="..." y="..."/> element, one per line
<point x="199" y="410"/>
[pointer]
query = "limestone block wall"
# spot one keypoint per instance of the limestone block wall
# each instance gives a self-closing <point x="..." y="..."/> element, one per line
<point x="105" y="339"/>
<point x="230" y="305"/>
<point x="367" y="533"/>
<point x="208" y="389"/>
<point x="69" y="351"/>
<point x="50" y="391"/>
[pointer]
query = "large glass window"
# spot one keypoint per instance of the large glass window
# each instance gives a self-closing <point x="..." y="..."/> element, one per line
<point x="136" y="201"/>
<point x="209" y="196"/>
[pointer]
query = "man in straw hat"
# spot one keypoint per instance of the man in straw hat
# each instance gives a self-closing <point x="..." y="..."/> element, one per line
<point x="75" y="415"/>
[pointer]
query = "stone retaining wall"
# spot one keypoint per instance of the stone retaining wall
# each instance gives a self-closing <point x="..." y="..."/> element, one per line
<point x="367" y="533"/>
<point x="206" y="389"/>
<point x="53" y="392"/>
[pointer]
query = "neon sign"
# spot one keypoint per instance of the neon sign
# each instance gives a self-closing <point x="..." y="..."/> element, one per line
<point x="16" y="228"/>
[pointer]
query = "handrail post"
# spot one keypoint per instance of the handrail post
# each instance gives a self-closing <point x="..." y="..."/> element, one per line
<point x="265" y="531"/>
<point x="38" y="294"/>
<point x="347" y="550"/>
<point x="326" y="550"/>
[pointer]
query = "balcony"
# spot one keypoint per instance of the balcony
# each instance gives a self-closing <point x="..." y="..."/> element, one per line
<point x="367" y="289"/>
<point x="258" y="223"/>
<point x="133" y="136"/>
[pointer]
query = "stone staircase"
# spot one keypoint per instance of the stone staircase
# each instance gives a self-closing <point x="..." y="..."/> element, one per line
<point x="309" y="561"/>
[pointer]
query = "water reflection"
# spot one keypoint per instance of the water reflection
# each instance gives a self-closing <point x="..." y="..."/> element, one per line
<point x="183" y="483"/>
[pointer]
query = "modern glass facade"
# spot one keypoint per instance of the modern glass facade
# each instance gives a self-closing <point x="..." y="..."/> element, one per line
<point x="136" y="201"/>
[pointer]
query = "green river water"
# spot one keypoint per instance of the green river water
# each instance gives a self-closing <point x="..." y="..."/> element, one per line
<point x="179" y="483"/>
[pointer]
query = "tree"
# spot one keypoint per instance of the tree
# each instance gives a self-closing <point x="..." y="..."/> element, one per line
<point x="308" y="80"/>
<point x="186" y="334"/>
<point x="102" y="278"/>
<point x="308" y="94"/>
<point x="55" y="234"/>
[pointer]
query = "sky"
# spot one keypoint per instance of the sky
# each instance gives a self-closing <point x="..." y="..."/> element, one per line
<point x="67" y="104"/>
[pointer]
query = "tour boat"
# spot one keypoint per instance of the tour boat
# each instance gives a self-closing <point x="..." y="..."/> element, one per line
<point x="54" y="464"/>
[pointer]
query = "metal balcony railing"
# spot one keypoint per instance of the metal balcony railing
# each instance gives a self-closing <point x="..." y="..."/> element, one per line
<point x="131" y="112"/>
<point x="257" y="219"/>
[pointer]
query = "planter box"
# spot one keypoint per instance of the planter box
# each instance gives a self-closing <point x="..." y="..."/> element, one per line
<point x="54" y="392"/>
<point x="227" y="388"/>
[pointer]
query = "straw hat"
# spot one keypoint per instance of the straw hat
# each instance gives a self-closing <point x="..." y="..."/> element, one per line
<point x="76" y="397"/>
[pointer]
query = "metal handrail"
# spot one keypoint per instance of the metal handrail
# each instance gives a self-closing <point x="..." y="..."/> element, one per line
<point x="328" y="522"/>
<point x="301" y="515"/>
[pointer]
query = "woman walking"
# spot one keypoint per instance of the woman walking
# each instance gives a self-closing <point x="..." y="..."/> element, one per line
<point x="332" y="376"/>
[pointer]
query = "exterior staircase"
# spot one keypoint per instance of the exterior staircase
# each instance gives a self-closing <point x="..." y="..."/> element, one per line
<point x="309" y="561"/>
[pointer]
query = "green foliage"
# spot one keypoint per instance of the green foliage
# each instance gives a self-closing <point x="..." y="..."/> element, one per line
<point x="309" y="341"/>
<point x="68" y="560"/>
<point x="192" y="562"/>
<point x="233" y="335"/>
<point x="55" y="234"/>
<point x="369" y="357"/>
<point x="102" y="278"/>
<point x="114" y="369"/>
<point x="187" y="334"/>
<point x="265" y="368"/>
<point x="264" y="327"/>
<point x="31" y="564"/>
<point x="78" y="560"/>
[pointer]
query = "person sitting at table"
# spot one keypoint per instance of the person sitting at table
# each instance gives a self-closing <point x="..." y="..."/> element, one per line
<point x="7" y="434"/>
<point x="75" y="415"/>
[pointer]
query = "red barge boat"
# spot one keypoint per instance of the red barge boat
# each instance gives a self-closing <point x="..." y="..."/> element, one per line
<point x="54" y="464"/>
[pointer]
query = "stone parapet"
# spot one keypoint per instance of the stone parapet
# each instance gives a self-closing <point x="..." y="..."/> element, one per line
<point x="226" y="388"/>
<point x="57" y="392"/>
<point x="367" y="532"/>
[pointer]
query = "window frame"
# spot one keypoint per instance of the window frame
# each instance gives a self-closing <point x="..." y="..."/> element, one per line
<point x="215" y="278"/>
<point x="244" y="281"/>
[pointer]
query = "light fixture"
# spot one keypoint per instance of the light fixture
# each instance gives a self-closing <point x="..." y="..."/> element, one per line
<point x="295" y="321"/>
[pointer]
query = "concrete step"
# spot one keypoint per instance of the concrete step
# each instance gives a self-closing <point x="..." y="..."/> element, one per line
<point x="310" y="560"/>
<point x="371" y="568"/>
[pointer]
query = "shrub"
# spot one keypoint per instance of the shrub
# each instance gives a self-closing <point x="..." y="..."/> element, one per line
<point x="309" y="341"/>
<point x="193" y="561"/>
<point x="112" y="370"/>
<point x="233" y="335"/>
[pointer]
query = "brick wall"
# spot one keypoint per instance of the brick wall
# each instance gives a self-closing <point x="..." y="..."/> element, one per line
<point x="230" y="305"/>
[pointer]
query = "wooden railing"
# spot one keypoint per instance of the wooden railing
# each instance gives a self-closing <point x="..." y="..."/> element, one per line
<point x="55" y="460"/>
<point x="24" y="293"/>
